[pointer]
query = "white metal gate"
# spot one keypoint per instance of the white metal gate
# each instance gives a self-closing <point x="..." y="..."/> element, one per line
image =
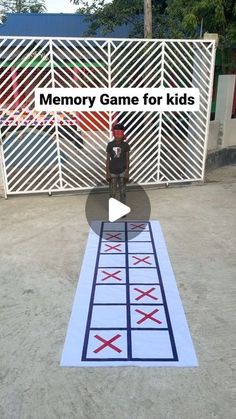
<point x="60" y="151"/>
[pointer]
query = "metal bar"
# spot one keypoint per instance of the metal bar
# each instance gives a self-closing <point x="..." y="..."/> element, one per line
<point x="25" y="69"/>
<point x="160" y="118"/>
<point x="73" y="173"/>
<point x="30" y="186"/>
<point x="43" y="180"/>
<point x="133" y="73"/>
<point x="48" y="186"/>
<point x="28" y="153"/>
<point x="29" y="113"/>
<point x="134" y="171"/>
<point x="3" y="168"/>
<point x="82" y="64"/>
<point x="142" y="148"/>
<point x="37" y="168"/>
<point x="81" y="173"/>
<point x="181" y="134"/>
<point x="89" y="71"/>
<point x="16" y="58"/>
<point x="185" y="129"/>
<point x="17" y="138"/>
<point x="55" y="114"/>
<point x="100" y="48"/>
<point x="182" y="149"/>
<point x="109" y="86"/>
<point x="169" y="149"/>
<point x="28" y="161"/>
<point x="208" y="109"/>
<point x="65" y="38"/>
<point x="171" y="51"/>
<point x="130" y="68"/>
<point x="164" y="163"/>
<point x="121" y="53"/>
<point x="199" y="56"/>
<point x="142" y="164"/>
<point x="86" y="156"/>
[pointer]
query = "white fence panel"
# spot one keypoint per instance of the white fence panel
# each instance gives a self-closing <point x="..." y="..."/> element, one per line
<point x="60" y="151"/>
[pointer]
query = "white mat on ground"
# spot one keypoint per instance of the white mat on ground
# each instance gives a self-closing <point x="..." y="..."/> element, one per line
<point x="127" y="309"/>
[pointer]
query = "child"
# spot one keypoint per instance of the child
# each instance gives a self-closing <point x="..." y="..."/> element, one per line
<point x="117" y="164"/>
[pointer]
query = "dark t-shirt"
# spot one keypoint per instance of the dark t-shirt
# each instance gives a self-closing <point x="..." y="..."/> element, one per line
<point x="117" y="154"/>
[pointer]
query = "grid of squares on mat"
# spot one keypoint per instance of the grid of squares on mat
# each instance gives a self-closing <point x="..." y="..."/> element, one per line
<point x="128" y="315"/>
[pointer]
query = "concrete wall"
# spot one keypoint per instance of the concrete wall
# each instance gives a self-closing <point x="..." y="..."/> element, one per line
<point x="222" y="132"/>
<point x="231" y="132"/>
<point x="224" y="104"/>
<point x="214" y="136"/>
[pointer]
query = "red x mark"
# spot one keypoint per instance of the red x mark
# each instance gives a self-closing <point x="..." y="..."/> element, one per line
<point x="139" y="260"/>
<point x="113" y="247"/>
<point x="113" y="236"/>
<point x="148" y="316"/>
<point x="107" y="343"/>
<point x="142" y="226"/>
<point x="145" y="294"/>
<point x="111" y="275"/>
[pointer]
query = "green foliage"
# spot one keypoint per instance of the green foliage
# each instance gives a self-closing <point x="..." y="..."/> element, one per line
<point x="171" y="18"/>
<point x="22" y="6"/>
<point x="217" y="16"/>
<point x="106" y="16"/>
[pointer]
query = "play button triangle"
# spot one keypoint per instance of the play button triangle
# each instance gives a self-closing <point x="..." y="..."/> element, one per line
<point x="117" y="209"/>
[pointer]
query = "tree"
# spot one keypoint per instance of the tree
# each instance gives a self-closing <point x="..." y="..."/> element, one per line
<point x="147" y="18"/>
<point x="171" y="19"/>
<point x="22" y="6"/>
<point x="218" y="16"/>
<point x="107" y="16"/>
<point x="214" y="16"/>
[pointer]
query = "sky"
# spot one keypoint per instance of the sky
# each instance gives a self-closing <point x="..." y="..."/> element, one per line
<point x="60" y="6"/>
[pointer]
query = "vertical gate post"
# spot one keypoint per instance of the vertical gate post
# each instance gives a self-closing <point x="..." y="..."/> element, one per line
<point x="55" y="116"/>
<point x="199" y="76"/>
<point x="109" y="83"/>
<point x="160" y="120"/>
<point x="214" y="39"/>
<point x="3" y="183"/>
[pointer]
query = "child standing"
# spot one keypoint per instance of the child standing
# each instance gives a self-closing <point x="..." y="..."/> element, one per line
<point x="117" y="164"/>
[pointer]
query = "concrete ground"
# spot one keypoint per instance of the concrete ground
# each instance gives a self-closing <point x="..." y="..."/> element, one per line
<point x="41" y="249"/>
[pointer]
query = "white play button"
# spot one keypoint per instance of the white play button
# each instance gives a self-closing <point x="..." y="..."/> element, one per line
<point x="117" y="209"/>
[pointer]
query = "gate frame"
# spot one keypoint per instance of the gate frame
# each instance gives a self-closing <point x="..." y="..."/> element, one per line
<point x="109" y="41"/>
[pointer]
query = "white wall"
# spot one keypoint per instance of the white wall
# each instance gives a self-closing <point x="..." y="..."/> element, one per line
<point x="231" y="132"/>
<point x="224" y="104"/>
<point x="214" y="136"/>
<point x="222" y="131"/>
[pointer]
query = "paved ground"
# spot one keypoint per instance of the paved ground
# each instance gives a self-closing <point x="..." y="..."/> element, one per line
<point x="41" y="249"/>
